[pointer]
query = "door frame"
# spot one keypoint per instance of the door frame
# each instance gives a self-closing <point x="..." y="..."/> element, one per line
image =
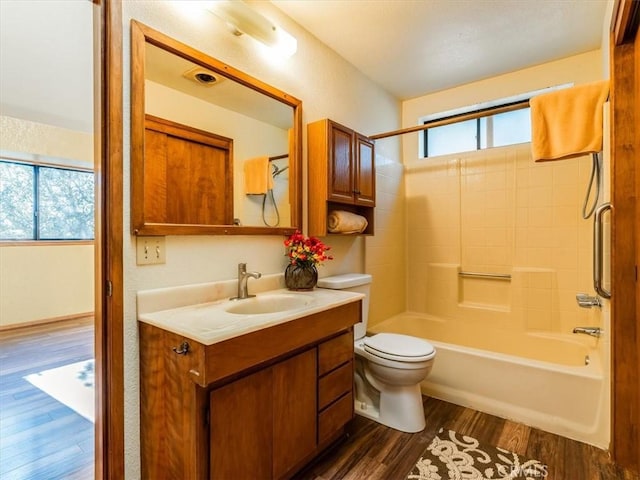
<point x="625" y="236"/>
<point x="109" y="300"/>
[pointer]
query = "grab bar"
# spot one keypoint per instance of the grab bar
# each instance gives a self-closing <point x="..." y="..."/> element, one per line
<point x="597" y="250"/>
<point x="496" y="276"/>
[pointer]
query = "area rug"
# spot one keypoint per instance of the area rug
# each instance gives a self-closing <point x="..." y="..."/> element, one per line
<point x="72" y="385"/>
<point x="452" y="456"/>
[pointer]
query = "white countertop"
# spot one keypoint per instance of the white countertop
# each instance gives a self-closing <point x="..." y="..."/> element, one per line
<point x="210" y="322"/>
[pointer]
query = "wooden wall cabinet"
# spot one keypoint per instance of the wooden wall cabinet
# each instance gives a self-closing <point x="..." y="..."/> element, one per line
<point x="341" y="174"/>
<point x="260" y="406"/>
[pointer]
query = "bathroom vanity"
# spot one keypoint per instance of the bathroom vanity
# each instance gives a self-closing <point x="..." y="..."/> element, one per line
<point x="260" y="398"/>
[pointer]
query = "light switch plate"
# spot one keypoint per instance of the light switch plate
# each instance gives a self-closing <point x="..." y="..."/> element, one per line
<point x="150" y="250"/>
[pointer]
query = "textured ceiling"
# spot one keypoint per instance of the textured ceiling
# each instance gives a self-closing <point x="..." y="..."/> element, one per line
<point x="415" y="47"/>
<point x="46" y="62"/>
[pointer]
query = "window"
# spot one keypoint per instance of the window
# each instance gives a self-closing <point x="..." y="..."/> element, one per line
<point x="497" y="130"/>
<point x="45" y="203"/>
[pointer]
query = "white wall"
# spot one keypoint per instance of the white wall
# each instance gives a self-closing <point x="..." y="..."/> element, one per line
<point x="42" y="282"/>
<point x="581" y="68"/>
<point x="328" y="87"/>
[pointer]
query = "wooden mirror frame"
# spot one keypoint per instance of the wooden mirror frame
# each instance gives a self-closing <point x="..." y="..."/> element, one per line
<point x="140" y="225"/>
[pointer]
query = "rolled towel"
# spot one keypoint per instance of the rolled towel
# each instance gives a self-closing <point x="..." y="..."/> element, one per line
<point x="340" y="221"/>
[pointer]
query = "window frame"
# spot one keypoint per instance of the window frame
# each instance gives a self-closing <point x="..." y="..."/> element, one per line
<point x="37" y="166"/>
<point x="476" y="115"/>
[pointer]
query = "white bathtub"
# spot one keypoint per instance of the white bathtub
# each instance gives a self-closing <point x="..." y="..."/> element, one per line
<point x="502" y="374"/>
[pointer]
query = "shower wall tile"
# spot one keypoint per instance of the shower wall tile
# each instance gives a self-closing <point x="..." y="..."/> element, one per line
<point x="538" y="319"/>
<point x="566" y="195"/>
<point x="500" y="212"/>
<point x="385" y="253"/>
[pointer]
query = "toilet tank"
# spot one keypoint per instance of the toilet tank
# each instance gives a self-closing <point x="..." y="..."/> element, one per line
<point x="352" y="282"/>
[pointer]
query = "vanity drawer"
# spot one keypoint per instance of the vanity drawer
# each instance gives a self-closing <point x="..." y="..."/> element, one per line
<point x="335" y="352"/>
<point x="335" y="417"/>
<point x="335" y="384"/>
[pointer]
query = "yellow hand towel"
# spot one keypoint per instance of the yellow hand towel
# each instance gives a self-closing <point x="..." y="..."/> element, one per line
<point x="257" y="176"/>
<point x="340" y="221"/>
<point x="568" y="123"/>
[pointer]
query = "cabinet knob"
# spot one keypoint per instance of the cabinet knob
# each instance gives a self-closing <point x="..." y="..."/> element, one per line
<point x="357" y="192"/>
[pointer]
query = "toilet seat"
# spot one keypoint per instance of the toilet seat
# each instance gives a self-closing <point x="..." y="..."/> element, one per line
<point x="403" y="348"/>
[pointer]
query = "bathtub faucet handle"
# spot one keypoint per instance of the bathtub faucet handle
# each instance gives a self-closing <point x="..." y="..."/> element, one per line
<point x="587" y="301"/>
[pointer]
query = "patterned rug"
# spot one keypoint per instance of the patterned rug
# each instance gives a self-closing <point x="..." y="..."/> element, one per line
<point x="452" y="456"/>
<point x="71" y="385"/>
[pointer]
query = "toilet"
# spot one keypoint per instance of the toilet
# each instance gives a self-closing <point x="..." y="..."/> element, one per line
<point x="389" y="366"/>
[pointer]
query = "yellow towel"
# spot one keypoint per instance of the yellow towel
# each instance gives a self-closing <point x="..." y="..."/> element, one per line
<point x="257" y="176"/>
<point x="568" y="123"/>
<point x="340" y="221"/>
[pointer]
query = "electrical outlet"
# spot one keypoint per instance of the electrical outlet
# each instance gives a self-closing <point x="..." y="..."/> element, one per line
<point x="150" y="250"/>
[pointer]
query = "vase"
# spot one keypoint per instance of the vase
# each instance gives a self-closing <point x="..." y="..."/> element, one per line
<point x="300" y="277"/>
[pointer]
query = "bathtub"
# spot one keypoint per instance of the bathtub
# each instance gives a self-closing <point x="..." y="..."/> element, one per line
<point x="504" y="374"/>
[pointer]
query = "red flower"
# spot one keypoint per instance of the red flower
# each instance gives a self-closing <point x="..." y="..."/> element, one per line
<point x="306" y="251"/>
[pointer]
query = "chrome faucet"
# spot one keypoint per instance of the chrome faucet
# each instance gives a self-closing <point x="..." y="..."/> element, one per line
<point x="243" y="278"/>
<point x="593" y="331"/>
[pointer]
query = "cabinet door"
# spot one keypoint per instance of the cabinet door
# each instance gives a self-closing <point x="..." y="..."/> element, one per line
<point x="340" y="171"/>
<point x="365" y="184"/>
<point x="294" y="412"/>
<point x="241" y="427"/>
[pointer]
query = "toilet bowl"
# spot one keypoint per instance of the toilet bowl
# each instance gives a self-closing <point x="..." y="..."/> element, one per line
<point x="389" y="367"/>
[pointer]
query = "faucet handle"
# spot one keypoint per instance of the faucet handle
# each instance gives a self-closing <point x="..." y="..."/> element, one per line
<point x="242" y="268"/>
<point x="587" y="301"/>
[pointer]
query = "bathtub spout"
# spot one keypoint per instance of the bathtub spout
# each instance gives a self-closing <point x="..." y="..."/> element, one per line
<point x="593" y="331"/>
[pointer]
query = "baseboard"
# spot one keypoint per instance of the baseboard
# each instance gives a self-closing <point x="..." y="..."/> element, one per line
<point x="44" y="321"/>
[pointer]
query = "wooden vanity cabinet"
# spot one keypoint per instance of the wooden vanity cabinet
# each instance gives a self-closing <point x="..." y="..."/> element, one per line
<point x="341" y="174"/>
<point x="260" y="406"/>
<point x="266" y="421"/>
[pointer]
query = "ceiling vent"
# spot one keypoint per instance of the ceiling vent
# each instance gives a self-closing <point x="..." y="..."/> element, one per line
<point x="203" y="77"/>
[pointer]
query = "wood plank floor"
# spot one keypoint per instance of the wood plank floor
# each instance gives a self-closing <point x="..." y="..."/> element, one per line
<point x="40" y="438"/>
<point x="376" y="452"/>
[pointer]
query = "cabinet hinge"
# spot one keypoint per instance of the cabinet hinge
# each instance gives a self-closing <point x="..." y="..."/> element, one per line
<point x="109" y="288"/>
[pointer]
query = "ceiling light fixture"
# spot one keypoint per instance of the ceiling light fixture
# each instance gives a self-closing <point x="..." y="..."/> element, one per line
<point x="243" y="19"/>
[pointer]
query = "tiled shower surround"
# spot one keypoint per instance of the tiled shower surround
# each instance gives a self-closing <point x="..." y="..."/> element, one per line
<point x="497" y="211"/>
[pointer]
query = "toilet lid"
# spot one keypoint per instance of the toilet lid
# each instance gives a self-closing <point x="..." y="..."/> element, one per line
<point x="399" y="347"/>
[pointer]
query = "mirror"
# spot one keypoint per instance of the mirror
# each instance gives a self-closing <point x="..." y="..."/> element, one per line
<point x="213" y="150"/>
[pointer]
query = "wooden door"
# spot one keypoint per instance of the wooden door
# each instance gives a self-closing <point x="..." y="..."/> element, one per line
<point x="196" y="192"/>
<point x="294" y="413"/>
<point x="625" y="255"/>
<point x="241" y="428"/>
<point x="365" y="184"/>
<point x="341" y="172"/>
<point x="188" y="176"/>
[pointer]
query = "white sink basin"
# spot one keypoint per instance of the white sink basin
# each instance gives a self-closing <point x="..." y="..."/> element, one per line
<point x="274" y="303"/>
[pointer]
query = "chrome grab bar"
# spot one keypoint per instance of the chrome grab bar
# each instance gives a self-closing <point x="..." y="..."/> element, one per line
<point x="496" y="276"/>
<point x="597" y="250"/>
